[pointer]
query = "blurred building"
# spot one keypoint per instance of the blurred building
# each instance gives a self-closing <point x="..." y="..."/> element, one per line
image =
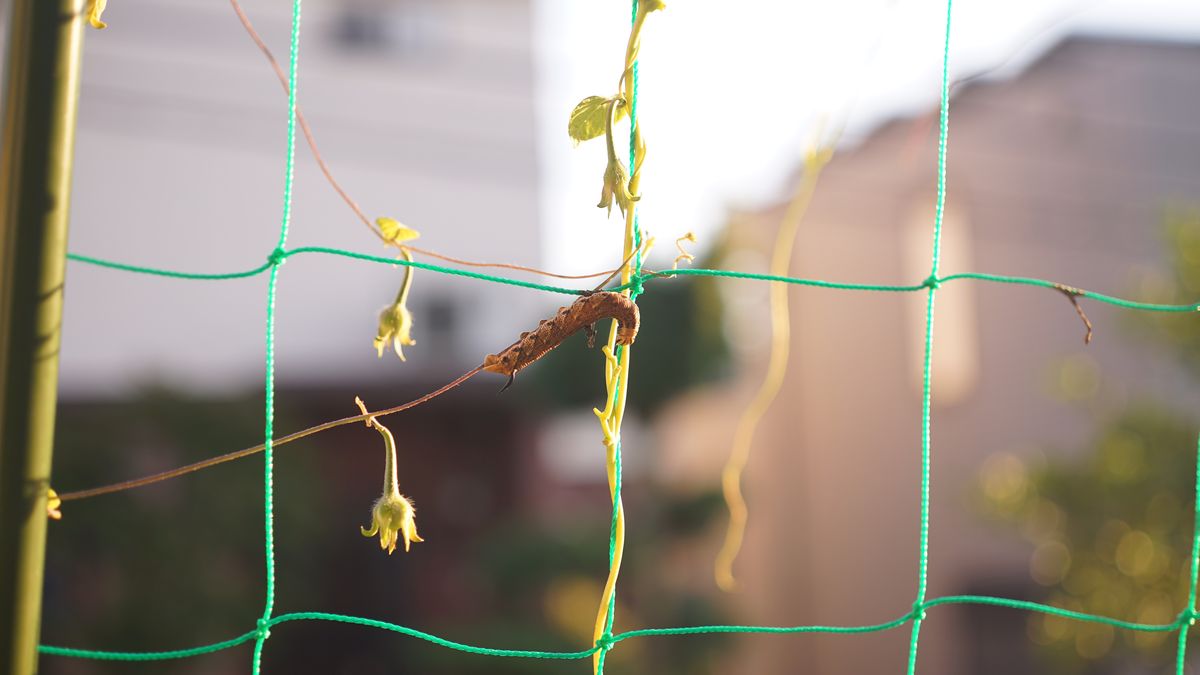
<point x="1063" y="173"/>
<point x="424" y="112"/>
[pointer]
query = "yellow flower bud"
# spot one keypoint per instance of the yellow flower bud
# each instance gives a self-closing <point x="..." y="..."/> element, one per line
<point x="395" y="321"/>
<point x="94" y="9"/>
<point x="52" y="504"/>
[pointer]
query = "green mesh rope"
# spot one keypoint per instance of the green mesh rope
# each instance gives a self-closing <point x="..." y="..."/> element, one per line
<point x="277" y="258"/>
<point x="641" y="280"/>
<point x="927" y="366"/>
<point x="1184" y="620"/>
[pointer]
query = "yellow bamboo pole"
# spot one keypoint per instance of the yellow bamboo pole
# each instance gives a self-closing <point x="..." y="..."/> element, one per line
<point x="37" y="140"/>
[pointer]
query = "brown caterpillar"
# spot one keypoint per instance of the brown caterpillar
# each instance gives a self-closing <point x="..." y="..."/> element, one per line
<point x="579" y="315"/>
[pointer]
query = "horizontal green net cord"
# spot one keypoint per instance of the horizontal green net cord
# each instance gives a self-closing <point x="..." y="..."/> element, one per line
<point x="100" y="655"/>
<point x="649" y="276"/>
<point x="412" y="632"/>
<point x="1185" y="618"/>
<point x="285" y="254"/>
<point x="155" y="271"/>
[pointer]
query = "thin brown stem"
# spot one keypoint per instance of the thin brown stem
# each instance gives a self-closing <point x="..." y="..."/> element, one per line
<point x="228" y="457"/>
<point x="308" y="135"/>
<point x="508" y="266"/>
<point x="1073" y="295"/>
<point x="312" y="146"/>
<point x="624" y="264"/>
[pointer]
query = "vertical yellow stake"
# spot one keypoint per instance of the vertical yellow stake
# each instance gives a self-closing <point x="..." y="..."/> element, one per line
<point x="37" y="135"/>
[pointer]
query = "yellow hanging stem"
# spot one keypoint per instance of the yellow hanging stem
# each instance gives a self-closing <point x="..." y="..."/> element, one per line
<point x="781" y="260"/>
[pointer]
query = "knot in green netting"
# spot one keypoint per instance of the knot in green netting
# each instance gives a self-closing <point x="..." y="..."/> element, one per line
<point x="918" y="612"/>
<point x="277" y="256"/>
<point x="605" y="642"/>
<point x="262" y="629"/>
<point x="1188" y="616"/>
<point x="932" y="282"/>
<point x="635" y="285"/>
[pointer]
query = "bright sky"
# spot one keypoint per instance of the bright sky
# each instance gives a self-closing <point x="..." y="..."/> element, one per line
<point x="731" y="92"/>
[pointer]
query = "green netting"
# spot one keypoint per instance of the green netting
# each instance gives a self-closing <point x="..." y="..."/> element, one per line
<point x="640" y="280"/>
<point x="1184" y="620"/>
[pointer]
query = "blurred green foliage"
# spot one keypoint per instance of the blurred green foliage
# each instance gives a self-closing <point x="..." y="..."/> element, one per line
<point x="174" y="564"/>
<point x="1177" y="332"/>
<point x="1111" y="530"/>
<point x="545" y="581"/>
<point x="1111" y="523"/>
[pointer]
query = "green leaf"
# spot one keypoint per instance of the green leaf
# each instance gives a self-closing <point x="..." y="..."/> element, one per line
<point x="589" y="119"/>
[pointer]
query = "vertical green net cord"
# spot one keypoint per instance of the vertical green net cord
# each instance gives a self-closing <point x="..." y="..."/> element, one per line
<point x="633" y="120"/>
<point x="1187" y="617"/>
<point x="918" y="612"/>
<point x="262" y="631"/>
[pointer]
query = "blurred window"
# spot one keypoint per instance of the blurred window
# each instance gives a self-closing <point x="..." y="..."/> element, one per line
<point x="403" y="27"/>
<point x="955" y="328"/>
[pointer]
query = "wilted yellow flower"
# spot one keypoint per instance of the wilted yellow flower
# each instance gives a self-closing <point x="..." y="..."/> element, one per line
<point x="94" y="9"/>
<point x="52" y="504"/>
<point x="395" y="326"/>
<point x="391" y="517"/>
<point x="395" y="321"/>
<point x="616" y="177"/>
<point x="616" y="187"/>
<point x="393" y="514"/>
